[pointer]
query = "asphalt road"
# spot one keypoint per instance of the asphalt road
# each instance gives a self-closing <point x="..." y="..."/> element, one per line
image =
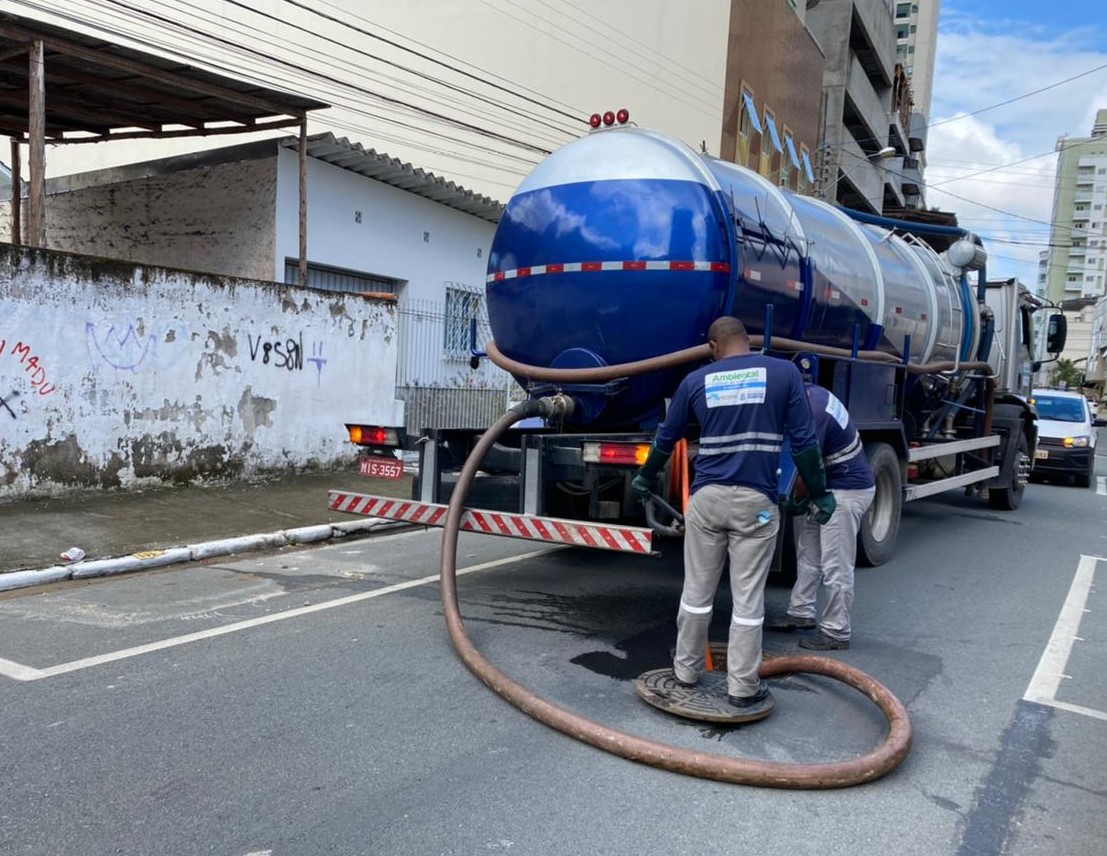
<point x="309" y="702"/>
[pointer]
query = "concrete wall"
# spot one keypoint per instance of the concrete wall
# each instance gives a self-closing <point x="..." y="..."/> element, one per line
<point x="113" y="374"/>
<point x="216" y="218"/>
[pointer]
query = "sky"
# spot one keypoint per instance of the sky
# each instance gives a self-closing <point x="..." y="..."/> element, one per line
<point x="991" y="51"/>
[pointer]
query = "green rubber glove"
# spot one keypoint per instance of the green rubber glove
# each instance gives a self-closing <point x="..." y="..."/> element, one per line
<point x="823" y="508"/>
<point x="809" y="464"/>
<point x="644" y="482"/>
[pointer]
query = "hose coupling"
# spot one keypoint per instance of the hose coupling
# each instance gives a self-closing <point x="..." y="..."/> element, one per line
<point x="557" y="406"/>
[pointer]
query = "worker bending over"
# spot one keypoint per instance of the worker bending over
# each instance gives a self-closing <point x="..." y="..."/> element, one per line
<point x="827" y="554"/>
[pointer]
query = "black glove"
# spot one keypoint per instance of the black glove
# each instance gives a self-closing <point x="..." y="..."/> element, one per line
<point x="645" y="480"/>
<point x="809" y="463"/>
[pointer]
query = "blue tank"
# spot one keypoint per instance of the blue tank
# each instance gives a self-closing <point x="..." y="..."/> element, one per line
<point x="627" y="244"/>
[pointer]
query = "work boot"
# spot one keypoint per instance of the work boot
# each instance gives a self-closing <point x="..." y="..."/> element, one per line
<point x="791" y="622"/>
<point x="822" y="642"/>
<point x="754" y="707"/>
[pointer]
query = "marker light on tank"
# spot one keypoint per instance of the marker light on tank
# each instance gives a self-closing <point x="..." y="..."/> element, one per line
<point x="594" y="120"/>
<point x="609" y="118"/>
<point x="623" y="116"/>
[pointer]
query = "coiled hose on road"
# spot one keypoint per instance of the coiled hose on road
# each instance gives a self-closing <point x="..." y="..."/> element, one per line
<point x="882" y="760"/>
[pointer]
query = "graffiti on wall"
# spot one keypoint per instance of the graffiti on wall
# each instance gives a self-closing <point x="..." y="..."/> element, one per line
<point x="279" y="353"/>
<point x="7" y="402"/>
<point x="286" y="353"/>
<point x="130" y="347"/>
<point x="21" y="356"/>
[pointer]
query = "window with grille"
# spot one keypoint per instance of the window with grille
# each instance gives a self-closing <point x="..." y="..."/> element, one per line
<point x="463" y="307"/>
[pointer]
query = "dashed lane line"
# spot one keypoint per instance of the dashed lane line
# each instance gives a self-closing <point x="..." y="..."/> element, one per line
<point x="20" y="672"/>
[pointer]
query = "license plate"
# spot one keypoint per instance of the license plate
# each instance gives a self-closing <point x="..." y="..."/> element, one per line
<point x="1041" y="454"/>
<point x="382" y="468"/>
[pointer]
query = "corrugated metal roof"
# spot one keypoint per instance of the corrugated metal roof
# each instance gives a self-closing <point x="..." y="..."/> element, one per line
<point x="345" y="154"/>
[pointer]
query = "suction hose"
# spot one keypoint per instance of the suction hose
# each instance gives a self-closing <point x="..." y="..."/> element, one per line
<point x="838" y="774"/>
<point x="699" y="353"/>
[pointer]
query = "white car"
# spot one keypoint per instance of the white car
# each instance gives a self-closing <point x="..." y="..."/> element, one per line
<point x="1066" y="435"/>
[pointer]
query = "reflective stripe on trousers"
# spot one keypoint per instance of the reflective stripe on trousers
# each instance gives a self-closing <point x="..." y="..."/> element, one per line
<point x="827" y="555"/>
<point x="741" y="523"/>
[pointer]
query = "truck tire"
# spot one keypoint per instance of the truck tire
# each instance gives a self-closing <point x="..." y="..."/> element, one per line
<point x="876" y="541"/>
<point x="1008" y="498"/>
<point x="1085" y="479"/>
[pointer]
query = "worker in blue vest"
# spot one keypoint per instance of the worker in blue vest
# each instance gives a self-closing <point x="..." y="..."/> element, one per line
<point x="746" y="404"/>
<point x="826" y="555"/>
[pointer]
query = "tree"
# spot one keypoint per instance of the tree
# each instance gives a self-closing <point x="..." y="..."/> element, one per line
<point x="1064" y="373"/>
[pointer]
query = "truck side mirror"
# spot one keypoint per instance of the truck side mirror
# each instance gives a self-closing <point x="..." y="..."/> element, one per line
<point x="1057" y="329"/>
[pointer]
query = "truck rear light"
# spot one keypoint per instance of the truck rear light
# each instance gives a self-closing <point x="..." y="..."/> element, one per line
<point x="372" y="435"/>
<point x="609" y="118"/>
<point x="623" y="116"/>
<point x="619" y="454"/>
<point x="594" y="120"/>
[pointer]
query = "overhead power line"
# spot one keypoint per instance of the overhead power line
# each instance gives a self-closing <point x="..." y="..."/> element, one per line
<point x="510" y="86"/>
<point x="1033" y="92"/>
<point x="414" y="72"/>
<point x="330" y="79"/>
<point x="258" y="36"/>
<point x="345" y="23"/>
<point x="1062" y="148"/>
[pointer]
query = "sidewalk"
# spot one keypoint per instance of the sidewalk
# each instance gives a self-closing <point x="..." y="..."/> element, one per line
<point x="109" y="524"/>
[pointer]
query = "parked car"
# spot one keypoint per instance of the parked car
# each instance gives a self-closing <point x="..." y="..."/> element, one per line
<point x="1066" y="435"/>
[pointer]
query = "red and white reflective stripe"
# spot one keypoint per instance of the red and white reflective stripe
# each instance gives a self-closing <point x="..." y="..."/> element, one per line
<point x="593" y="267"/>
<point x="631" y="539"/>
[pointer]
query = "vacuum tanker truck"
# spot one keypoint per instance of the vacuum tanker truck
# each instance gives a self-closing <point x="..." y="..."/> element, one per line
<point x="611" y="260"/>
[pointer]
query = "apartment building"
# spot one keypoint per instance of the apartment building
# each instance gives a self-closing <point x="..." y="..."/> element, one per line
<point x="868" y="158"/>
<point x="1078" y="239"/>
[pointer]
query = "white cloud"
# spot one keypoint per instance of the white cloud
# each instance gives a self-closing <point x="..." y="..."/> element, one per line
<point x="981" y="63"/>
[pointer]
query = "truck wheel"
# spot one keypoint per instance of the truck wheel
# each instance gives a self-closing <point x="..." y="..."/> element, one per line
<point x="1084" y="479"/>
<point x="880" y="526"/>
<point x="1008" y="498"/>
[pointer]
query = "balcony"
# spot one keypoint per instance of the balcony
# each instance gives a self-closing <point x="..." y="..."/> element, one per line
<point x="869" y="106"/>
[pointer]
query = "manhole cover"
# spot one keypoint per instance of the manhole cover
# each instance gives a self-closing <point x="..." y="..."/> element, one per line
<point x="706" y="701"/>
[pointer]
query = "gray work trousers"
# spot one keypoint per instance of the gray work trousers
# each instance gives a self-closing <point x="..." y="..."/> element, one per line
<point x="740" y="522"/>
<point x="827" y="555"/>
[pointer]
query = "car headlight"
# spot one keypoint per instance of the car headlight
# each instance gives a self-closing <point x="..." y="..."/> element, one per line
<point x="1076" y="442"/>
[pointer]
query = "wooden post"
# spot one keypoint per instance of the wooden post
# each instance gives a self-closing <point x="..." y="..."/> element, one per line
<point x="17" y="193"/>
<point x="303" y="203"/>
<point x="36" y="139"/>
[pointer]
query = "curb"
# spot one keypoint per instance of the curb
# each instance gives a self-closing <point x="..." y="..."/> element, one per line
<point x="147" y="559"/>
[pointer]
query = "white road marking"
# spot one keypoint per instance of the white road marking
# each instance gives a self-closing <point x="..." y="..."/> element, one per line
<point x="19" y="672"/>
<point x="1101" y="485"/>
<point x="1051" y="668"/>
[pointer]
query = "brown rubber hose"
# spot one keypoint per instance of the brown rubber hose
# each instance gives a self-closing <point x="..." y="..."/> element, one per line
<point x="882" y="760"/>
<point x="598" y="374"/>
